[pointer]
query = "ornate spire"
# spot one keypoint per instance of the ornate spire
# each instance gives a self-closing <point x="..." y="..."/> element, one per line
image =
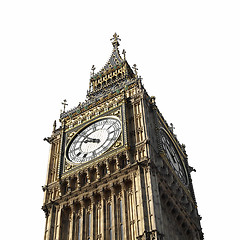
<point x="112" y="73"/>
<point x="115" y="58"/>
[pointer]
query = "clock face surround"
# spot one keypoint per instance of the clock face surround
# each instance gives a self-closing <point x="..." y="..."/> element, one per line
<point x="93" y="140"/>
<point x="173" y="157"/>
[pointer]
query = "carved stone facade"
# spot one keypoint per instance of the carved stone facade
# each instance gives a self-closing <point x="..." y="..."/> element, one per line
<point x="137" y="188"/>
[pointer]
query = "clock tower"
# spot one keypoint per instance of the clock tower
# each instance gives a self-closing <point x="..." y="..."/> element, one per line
<point x="116" y="170"/>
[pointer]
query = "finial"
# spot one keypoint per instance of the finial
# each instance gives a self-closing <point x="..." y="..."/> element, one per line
<point x="140" y="82"/>
<point x="93" y="69"/>
<point x="191" y="169"/>
<point x="135" y="68"/>
<point x="124" y="54"/>
<point x="115" y="40"/>
<point x="64" y="103"/>
<point x="171" y="127"/>
<point x="54" y="125"/>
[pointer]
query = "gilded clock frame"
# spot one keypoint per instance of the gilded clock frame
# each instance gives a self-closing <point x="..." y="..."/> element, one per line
<point x="118" y="113"/>
<point x="82" y="129"/>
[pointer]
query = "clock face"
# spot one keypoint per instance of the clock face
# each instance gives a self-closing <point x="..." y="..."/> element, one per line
<point x="173" y="157"/>
<point x="94" y="140"/>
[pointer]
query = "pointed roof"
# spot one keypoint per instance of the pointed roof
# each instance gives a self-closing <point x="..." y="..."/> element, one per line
<point x="116" y="70"/>
<point x="115" y="58"/>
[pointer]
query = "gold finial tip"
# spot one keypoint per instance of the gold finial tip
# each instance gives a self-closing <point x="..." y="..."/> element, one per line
<point x="115" y="40"/>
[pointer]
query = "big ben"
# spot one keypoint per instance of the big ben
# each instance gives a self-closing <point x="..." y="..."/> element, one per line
<point x="116" y="170"/>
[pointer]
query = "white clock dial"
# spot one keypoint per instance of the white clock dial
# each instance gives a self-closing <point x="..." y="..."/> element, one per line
<point x="94" y="140"/>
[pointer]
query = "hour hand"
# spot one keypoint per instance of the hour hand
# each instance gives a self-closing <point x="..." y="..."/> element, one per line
<point x="93" y="140"/>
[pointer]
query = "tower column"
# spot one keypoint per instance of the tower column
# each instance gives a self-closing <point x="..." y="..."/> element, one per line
<point x="48" y="225"/>
<point x="135" y="206"/>
<point x="156" y="204"/>
<point x="117" y="162"/>
<point x="58" y="227"/>
<point x="143" y="203"/>
<point x="98" y="172"/>
<point x="127" y="157"/>
<point x="108" y="167"/>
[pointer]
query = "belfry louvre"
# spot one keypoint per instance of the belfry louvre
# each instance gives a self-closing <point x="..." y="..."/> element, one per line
<point x="116" y="169"/>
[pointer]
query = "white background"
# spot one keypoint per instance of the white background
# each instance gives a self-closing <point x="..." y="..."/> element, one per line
<point x="188" y="53"/>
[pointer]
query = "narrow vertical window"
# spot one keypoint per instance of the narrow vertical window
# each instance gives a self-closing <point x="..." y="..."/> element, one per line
<point x="79" y="229"/>
<point x="110" y="221"/>
<point x="74" y="226"/>
<point x="89" y="226"/>
<point x="121" y="220"/>
<point x="131" y="215"/>
<point x="83" y="225"/>
<point x="104" y="218"/>
<point x="98" y="220"/>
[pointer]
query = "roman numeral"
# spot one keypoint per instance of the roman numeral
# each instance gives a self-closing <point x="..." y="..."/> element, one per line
<point x="111" y="126"/>
<point x="104" y="123"/>
<point x="78" y="154"/>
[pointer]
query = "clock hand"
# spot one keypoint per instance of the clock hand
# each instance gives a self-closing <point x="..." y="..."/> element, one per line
<point x="94" y="140"/>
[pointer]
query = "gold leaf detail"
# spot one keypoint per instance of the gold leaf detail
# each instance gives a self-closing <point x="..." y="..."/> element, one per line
<point x="68" y="166"/>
